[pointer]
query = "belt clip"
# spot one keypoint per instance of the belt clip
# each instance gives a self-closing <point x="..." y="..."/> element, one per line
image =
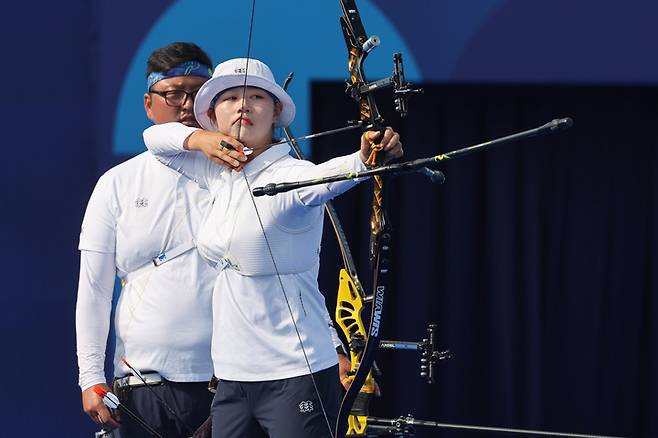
<point x="160" y="259"/>
<point x="225" y="262"/>
<point x="222" y="263"/>
<point x="212" y="384"/>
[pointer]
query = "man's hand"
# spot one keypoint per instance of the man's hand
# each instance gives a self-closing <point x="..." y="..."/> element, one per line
<point x="390" y="142"/>
<point x="344" y="367"/>
<point x="209" y="143"/>
<point x="93" y="406"/>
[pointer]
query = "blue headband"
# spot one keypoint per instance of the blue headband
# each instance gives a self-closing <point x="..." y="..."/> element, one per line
<point x="188" y="68"/>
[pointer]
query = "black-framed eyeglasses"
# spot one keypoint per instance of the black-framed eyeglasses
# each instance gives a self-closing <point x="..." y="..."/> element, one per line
<point x="176" y="97"/>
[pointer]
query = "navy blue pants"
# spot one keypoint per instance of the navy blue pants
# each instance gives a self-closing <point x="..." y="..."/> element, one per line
<point x="286" y="408"/>
<point x="190" y="402"/>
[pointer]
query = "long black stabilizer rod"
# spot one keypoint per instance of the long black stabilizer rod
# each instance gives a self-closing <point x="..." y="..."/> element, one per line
<point x="404" y="427"/>
<point x="415" y="165"/>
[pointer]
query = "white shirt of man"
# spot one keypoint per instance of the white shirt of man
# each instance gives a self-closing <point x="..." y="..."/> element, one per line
<point x="254" y="338"/>
<point x="139" y="210"/>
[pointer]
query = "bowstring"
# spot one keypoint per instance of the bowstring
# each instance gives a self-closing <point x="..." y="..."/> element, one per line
<point x="267" y="241"/>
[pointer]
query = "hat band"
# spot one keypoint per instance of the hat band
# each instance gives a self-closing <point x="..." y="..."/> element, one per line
<point x="188" y="68"/>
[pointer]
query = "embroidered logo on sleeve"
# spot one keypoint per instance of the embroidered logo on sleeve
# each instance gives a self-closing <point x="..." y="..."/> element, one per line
<point x="305" y="406"/>
<point x="141" y="202"/>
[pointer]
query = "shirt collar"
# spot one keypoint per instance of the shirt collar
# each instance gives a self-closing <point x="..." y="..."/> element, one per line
<point x="265" y="159"/>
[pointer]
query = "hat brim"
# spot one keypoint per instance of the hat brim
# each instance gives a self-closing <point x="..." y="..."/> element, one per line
<point x="216" y="85"/>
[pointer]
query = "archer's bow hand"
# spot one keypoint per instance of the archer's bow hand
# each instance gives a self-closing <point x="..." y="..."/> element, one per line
<point x="387" y="145"/>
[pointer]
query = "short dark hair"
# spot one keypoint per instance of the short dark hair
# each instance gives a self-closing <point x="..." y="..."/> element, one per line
<point x="166" y="58"/>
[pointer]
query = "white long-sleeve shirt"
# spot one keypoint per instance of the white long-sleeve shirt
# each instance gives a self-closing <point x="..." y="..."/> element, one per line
<point x="163" y="320"/>
<point x="254" y="338"/>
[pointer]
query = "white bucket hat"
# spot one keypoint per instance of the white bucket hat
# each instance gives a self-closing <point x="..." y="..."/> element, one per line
<point x="231" y="74"/>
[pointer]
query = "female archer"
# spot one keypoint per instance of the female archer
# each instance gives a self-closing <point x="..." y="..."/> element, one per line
<point x="271" y="348"/>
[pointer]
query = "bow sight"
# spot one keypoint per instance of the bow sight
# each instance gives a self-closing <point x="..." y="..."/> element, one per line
<point x="427" y="347"/>
<point x="402" y="89"/>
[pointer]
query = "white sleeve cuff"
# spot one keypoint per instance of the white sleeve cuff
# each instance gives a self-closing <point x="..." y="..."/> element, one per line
<point x="167" y="138"/>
